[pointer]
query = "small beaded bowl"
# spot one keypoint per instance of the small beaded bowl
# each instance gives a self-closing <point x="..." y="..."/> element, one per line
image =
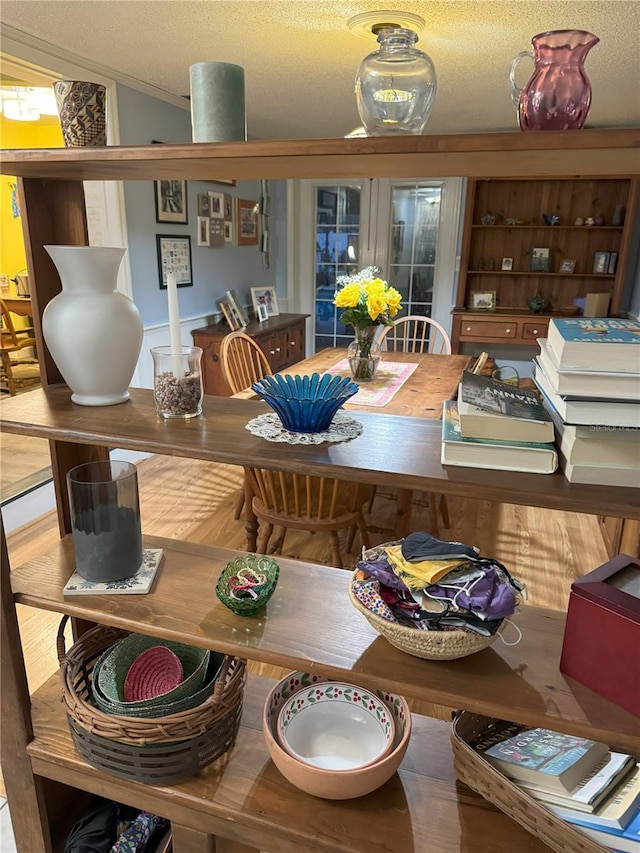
<point x="247" y="583"/>
<point x="305" y="403"/>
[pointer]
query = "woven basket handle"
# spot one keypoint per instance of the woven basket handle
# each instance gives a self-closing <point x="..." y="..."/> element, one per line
<point x="60" y="641"/>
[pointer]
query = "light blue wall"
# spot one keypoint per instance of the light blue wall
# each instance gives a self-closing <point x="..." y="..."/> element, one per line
<point x="143" y="119"/>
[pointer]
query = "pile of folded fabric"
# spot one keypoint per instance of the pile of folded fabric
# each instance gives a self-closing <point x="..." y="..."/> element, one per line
<point x="435" y="585"/>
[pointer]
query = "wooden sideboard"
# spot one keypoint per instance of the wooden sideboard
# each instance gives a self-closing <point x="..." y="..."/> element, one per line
<point x="282" y="339"/>
<point x="242" y="800"/>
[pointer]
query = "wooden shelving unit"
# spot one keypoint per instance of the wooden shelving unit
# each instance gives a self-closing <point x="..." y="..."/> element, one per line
<point x="526" y="200"/>
<point x="243" y="801"/>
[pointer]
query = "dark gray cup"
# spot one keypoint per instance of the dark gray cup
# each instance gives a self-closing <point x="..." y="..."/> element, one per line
<point x="105" y="520"/>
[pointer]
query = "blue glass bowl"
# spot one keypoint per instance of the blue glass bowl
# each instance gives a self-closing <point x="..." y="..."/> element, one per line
<point x="305" y="403"/>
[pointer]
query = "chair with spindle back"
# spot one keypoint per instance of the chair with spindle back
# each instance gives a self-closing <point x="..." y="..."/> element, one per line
<point x="415" y="333"/>
<point x="17" y="372"/>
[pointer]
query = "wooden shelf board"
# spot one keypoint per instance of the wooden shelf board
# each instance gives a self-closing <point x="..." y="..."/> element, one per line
<point x="473" y="155"/>
<point x="543" y="227"/>
<point x="398" y="451"/>
<point x="243" y="796"/>
<point x="315" y="628"/>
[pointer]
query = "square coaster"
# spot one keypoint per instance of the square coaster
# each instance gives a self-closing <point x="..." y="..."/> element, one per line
<point x="137" y="584"/>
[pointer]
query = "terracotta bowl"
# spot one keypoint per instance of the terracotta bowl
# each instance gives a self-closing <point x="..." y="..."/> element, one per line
<point x="336" y="726"/>
<point x="333" y="784"/>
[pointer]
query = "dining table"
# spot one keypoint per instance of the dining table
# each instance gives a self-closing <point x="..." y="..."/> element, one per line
<point x="406" y="383"/>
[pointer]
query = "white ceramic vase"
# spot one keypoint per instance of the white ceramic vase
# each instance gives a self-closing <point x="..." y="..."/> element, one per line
<point x="92" y="330"/>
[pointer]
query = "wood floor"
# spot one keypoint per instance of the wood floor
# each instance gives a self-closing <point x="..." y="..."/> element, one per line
<point x="194" y="500"/>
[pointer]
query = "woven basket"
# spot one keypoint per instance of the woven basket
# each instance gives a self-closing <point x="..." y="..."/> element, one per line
<point x="258" y="563"/>
<point x="478" y="774"/>
<point x="110" y="672"/>
<point x="430" y="645"/>
<point x="157" y="751"/>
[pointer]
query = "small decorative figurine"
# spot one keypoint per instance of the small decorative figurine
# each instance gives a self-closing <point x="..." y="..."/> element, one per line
<point x="590" y="221"/>
<point x="510" y="220"/>
<point x="489" y="218"/>
<point x="550" y="218"/>
<point x="598" y="219"/>
<point x="579" y="221"/>
<point x="537" y="303"/>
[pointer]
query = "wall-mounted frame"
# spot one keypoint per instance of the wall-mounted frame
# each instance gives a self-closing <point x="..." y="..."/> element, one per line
<point x="171" y="201"/>
<point x="204" y="204"/>
<point x="216" y="201"/>
<point x="483" y="300"/>
<point x="228" y="232"/>
<point x="246" y="222"/>
<point x="228" y="207"/>
<point x="265" y="296"/>
<point x="204" y="231"/>
<point x="222" y="181"/>
<point x="174" y="255"/>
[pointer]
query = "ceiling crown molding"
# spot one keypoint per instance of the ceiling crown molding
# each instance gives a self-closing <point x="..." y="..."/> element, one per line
<point x="41" y="55"/>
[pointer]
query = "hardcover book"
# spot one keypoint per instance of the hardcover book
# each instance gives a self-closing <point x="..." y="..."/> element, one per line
<point x="592" y="792"/>
<point x="581" y="411"/>
<point x="535" y="458"/>
<point x="502" y="398"/>
<point x="595" y="343"/>
<point x="591" y="383"/>
<point x="549" y="759"/>
<point x="139" y="584"/>
<point x="616" y="447"/>
<point x="619" y="809"/>
<point x="481" y="423"/>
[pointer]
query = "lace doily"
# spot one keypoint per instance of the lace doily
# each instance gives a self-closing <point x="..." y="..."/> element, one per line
<point x="270" y="427"/>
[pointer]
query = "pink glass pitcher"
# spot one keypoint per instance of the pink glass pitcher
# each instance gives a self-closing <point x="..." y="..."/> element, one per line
<point x="558" y="95"/>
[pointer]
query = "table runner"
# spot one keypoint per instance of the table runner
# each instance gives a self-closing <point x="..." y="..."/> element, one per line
<point x="390" y="377"/>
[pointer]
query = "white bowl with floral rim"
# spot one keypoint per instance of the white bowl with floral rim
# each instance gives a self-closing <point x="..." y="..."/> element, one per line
<point x="336" y="726"/>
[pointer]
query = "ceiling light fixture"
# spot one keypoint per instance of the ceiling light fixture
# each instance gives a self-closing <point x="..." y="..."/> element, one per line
<point x="369" y="24"/>
<point x="395" y="85"/>
<point x="27" y="103"/>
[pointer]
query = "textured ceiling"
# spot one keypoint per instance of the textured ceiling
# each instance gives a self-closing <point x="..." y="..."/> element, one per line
<point x="300" y="57"/>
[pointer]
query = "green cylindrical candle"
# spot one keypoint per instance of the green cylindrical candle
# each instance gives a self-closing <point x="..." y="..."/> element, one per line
<point x="217" y="102"/>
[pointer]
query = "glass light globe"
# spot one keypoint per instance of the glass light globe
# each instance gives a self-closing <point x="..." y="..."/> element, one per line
<point x="396" y="85"/>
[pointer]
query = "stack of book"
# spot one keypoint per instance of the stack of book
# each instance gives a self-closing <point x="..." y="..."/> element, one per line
<point x="497" y="425"/>
<point x="579" y="780"/>
<point x="588" y="372"/>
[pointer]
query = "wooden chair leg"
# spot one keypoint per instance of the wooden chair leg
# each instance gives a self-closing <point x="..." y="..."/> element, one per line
<point x="336" y="556"/>
<point x="277" y="546"/>
<point x="264" y="534"/>
<point x="351" y="535"/>
<point x="239" y="505"/>
<point x="364" y="531"/>
<point x="434" y="529"/>
<point x="444" y="511"/>
<point x="374" y="492"/>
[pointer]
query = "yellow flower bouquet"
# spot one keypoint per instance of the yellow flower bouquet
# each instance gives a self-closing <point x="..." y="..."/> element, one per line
<point x="367" y="302"/>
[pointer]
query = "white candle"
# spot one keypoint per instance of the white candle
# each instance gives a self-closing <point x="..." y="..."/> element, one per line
<point x="174" y="324"/>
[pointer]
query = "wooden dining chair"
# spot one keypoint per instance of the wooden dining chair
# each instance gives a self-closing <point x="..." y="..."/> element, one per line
<point x="415" y="333"/>
<point x="243" y="363"/>
<point x="418" y="334"/>
<point x="17" y="371"/>
<point x="285" y="501"/>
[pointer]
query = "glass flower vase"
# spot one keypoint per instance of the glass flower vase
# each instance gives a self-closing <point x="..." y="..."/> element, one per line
<point x="364" y="353"/>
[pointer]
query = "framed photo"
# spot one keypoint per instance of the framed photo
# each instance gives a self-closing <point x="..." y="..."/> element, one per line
<point x="246" y="222"/>
<point x="228" y="207"/>
<point x="174" y="255"/>
<point x="263" y="313"/>
<point x="229" y="315"/>
<point x="216" y="201"/>
<point x="204" y="230"/>
<point x="228" y="232"/>
<point x="567" y="265"/>
<point x="171" y="201"/>
<point x="483" y="300"/>
<point x="238" y="308"/>
<point x="507" y="264"/>
<point x="613" y="263"/>
<point x="222" y="181"/>
<point x="540" y="259"/>
<point x="204" y="204"/>
<point x="265" y="296"/>
<point x="601" y="262"/>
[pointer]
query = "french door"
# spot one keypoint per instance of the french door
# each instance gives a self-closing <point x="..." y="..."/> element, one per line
<point x="408" y="228"/>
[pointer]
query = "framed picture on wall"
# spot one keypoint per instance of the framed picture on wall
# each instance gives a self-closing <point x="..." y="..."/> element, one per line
<point x="174" y="255"/>
<point x="216" y="201"/>
<point x="171" y="201"/>
<point x="246" y="222"/>
<point x="204" y="231"/>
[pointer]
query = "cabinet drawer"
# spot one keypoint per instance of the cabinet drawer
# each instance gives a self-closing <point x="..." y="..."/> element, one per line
<point x="476" y="329"/>
<point x="295" y="343"/>
<point x="531" y="331"/>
